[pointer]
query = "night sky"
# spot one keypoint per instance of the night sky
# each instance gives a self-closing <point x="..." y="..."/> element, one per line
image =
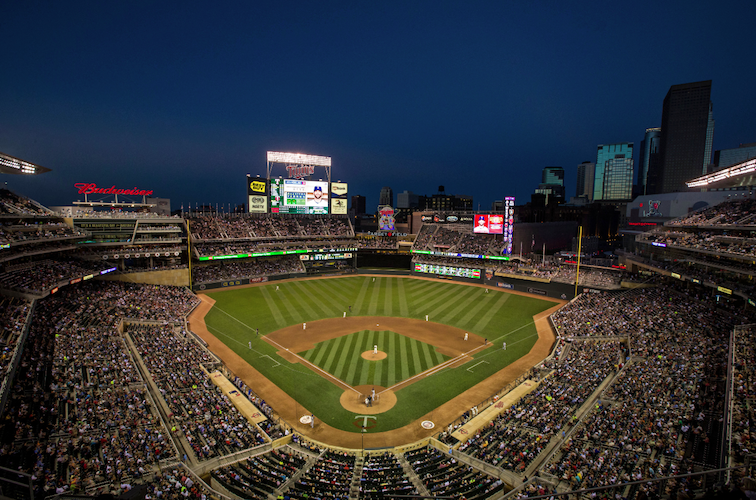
<point x="186" y="97"/>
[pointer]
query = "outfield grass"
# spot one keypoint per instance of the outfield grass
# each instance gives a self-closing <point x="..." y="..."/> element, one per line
<point x="497" y="316"/>
<point x="405" y="358"/>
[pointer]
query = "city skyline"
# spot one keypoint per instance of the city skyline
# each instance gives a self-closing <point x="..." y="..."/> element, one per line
<point x="474" y="98"/>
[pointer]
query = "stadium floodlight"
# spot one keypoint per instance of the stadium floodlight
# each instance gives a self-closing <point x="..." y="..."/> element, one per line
<point x="11" y="165"/>
<point x="741" y="169"/>
<point x="299" y="159"/>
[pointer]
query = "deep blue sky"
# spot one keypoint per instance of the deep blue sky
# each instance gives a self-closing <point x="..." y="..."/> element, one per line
<point x="185" y="98"/>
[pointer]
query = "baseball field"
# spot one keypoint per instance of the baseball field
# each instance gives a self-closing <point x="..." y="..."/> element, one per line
<point x="329" y="343"/>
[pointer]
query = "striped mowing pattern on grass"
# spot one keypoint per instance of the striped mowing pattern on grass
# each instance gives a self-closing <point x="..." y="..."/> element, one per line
<point x="342" y="357"/>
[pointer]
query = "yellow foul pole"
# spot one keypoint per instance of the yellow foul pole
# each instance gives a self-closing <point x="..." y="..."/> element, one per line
<point x="580" y="248"/>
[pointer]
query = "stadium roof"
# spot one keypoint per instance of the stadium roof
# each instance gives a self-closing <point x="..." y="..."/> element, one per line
<point x="12" y="165"/>
<point x="740" y="175"/>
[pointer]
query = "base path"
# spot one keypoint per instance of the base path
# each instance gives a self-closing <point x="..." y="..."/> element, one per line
<point x="290" y="411"/>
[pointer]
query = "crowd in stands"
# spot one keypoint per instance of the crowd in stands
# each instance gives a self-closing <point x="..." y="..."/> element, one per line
<point x="48" y="247"/>
<point x="697" y="241"/>
<point x="261" y="475"/>
<point x="744" y="394"/>
<point x="40" y="231"/>
<point x="170" y="484"/>
<point x="199" y="412"/>
<point x="521" y="432"/>
<point x="247" y="268"/>
<point x="663" y="414"/>
<point x="119" y="213"/>
<point x="457" y="239"/>
<point x="78" y="414"/>
<point x="133" y="251"/>
<point x="214" y="249"/>
<point x="13" y="315"/>
<point x="14" y="204"/>
<point x="715" y="271"/>
<point x="43" y="275"/>
<point x="379" y="242"/>
<point x="442" y="475"/>
<point x="329" y="477"/>
<point x="382" y="476"/>
<point x="729" y="213"/>
<point x="564" y="273"/>
<point x="215" y="227"/>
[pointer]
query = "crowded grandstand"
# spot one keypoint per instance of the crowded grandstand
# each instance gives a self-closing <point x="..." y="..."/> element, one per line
<point x="105" y="389"/>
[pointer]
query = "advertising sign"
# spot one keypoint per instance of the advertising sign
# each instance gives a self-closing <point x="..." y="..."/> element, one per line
<point x="338" y="198"/>
<point x="258" y="204"/>
<point x="386" y="220"/>
<point x="257" y="194"/>
<point x="257" y="186"/>
<point x="508" y="223"/>
<point x="447" y="218"/>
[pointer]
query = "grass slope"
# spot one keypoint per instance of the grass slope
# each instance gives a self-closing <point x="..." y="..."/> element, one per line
<point x="497" y="316"/>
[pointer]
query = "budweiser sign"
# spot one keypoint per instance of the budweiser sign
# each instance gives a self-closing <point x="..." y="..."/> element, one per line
<point x="299" y="171"/>
<point x="91" y="188"/>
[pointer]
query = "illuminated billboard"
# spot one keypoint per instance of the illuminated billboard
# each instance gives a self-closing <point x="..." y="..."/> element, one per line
<point x="299" y="159"/>
<point x="488" y="224"/>
<point x="508" y="223"/>
<point x="295" y="196"/>
<point x="460" y="272"/>
<point x="338" y="198"/>
<point x="386" y="220"/>
<point x="257" y="194"/>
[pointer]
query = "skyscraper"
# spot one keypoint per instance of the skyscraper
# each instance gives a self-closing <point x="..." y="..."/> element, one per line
<point x="613" y="178"/>
<point x="687" y="133"/>
<point x="728" y="157"/>
<point x="649" y="153"/>
<point x="386" y="197"/>
<point x="585" y="172"/>
<point x="358" y="204"/>
<point x="552" y="183"/>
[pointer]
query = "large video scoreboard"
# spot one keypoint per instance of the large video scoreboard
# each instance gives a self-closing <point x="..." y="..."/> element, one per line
<point x="295" y="196"/>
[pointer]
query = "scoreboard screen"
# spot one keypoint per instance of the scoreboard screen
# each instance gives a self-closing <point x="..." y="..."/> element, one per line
<point x="488" y="224"/>
<point x="294" y="196"/>
<point x="462" y="272"/>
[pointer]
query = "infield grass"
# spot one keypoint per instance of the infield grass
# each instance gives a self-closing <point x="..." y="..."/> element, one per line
<point x="497" y="316"/>
<point x="405" y="358"/>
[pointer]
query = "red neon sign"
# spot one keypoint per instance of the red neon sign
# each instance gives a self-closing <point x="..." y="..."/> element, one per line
<point x="91" y="188"/>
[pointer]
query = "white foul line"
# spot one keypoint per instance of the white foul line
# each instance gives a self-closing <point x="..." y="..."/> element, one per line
<point x="312" y="365"/>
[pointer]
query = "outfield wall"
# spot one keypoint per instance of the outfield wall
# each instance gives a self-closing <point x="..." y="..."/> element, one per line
<point x="553" y="289"/>
<point x="245" y="281"/>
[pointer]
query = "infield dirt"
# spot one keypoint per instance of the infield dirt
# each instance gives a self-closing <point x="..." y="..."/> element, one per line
<point x="449" y="341"/>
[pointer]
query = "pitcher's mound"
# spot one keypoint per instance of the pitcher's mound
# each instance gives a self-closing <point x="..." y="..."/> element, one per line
<point x="374" y="356"/>
<point x="351" y="401"/>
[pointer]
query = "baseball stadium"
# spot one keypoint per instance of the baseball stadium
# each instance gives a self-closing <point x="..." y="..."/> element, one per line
<point x="280" y="353"/>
